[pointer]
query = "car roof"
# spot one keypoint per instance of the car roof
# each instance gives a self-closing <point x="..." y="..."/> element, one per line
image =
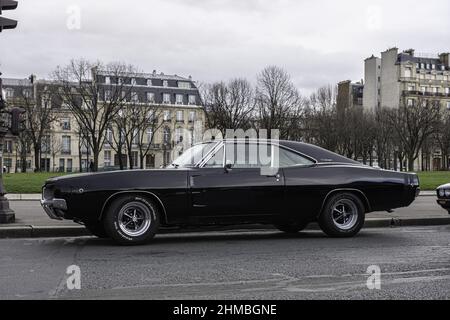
<point x="321" y="155"/>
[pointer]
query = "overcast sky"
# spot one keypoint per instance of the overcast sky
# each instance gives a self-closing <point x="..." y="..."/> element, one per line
<point x="318" y="42"/>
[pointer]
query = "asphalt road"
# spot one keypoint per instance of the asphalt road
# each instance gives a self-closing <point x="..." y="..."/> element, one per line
<point x="415" y="264"/>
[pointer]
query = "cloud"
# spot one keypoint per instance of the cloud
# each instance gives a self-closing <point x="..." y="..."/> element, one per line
<point x="319" y="42"/>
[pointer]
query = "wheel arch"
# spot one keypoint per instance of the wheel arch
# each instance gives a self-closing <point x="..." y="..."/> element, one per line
<point x="147" y="194"/>
<point x="355" y="192"/>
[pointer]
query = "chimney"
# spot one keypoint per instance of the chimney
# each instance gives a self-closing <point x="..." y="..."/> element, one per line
<point x="154" y="72"/>
<point x="444" y="57"/>
<point x="410" y="52"/>
<point x="190" y="78"/>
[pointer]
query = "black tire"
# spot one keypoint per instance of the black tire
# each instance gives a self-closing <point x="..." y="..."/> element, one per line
<point x="292" y="228"/>
<point x="97" y="229"/>
<point x="344" y="225"/>
<point x="123" y="228"/>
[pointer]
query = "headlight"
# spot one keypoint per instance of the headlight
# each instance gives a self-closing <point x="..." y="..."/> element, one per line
<point x="441" y="193"/>
<point x="447" y="192"/>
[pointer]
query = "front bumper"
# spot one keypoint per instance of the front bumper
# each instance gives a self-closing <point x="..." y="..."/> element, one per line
<point x="444" y="203"/>
<point x="54" y="208"/>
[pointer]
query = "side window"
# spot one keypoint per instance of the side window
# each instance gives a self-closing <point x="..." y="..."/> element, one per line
<point x="248" y="155"/>
<point x="288" y="158"/>
<point x="216" y="160"/>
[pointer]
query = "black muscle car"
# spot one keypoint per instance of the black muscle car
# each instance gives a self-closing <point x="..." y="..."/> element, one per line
<point x="443" y="193"/>
<point x="287" y="184"/>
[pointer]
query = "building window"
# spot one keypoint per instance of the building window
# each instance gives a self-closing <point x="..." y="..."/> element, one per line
<point x="62" y="163"/>
<point x="192" y="99"/>
<point x="166" y="98"/>
<point x="166" y="115"/>
<point x="8" y="146"/>
<point x="26" y="93"/>
<point x="9" y="93"/>
<point x="135" y="158"/>
<point x="135" y="137"/>
<point x="166" y="135"/>
<point x="408" y="72"/>
<point x="149" y="135"/>
<point x="69" y="165"/>
<point x="191" y="116"/>
<point x="66" y="145"/>
<point x="410" y="102"/>
<point x="433" y="66"/>
<point x="180" y="116"/>
<point x="422" y="65"/>
<point x="447" y="91"/>
<point x="411" y="88"/>
<point x="435" y="89"/>
<point x="165" y="83"/>
<point x="107" y="80"/>
<point x="133" y="81"/>
<point x="179" y="98"/>
<point x="107" y="158"/>
<point x="120" y="81"/>
<point x="150" y="161"/>
<point x="184" y="85"/>
<point x="149" y="82"/>
<point x="150" y="97"/>
<point x="134" y="96"/>
<point x="109" y="136"/>
<point x="423" y="89"/>
<point x="108" y="95"/>
<point x="65" y="124"/>
<point x="179" y="135"/>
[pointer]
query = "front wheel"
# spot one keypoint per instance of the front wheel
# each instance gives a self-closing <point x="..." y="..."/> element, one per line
<point x="342" y="216"/>
<point x="132" y="220"/>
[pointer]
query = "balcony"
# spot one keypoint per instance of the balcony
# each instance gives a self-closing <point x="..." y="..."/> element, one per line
<point x="425" y="94"/>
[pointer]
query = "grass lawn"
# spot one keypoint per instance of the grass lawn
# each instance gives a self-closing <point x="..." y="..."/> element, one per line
<point x="32" y="182"/>
<point x="26" y="182"/>
<point x="432" y="180"/>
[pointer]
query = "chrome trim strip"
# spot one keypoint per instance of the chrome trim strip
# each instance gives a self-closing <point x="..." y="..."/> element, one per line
<point x="50" y="205"/>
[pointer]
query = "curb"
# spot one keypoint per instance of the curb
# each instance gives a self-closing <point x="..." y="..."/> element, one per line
<point x="29" y="231"/>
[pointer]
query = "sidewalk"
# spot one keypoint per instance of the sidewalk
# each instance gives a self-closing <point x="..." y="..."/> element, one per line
<point x="31" y="221"/>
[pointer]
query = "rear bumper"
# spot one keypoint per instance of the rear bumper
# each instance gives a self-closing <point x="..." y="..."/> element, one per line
<point x="54" y="208"/>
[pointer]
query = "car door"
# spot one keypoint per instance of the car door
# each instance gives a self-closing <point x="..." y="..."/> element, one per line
<point x="242" y="190"/>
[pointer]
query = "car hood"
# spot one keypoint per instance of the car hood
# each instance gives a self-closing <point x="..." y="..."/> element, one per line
<point x="444" y="186"/>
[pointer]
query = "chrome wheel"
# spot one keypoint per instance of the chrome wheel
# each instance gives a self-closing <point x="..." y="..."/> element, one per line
<point x="344" y="214"/>
<point x="134" y="219"/>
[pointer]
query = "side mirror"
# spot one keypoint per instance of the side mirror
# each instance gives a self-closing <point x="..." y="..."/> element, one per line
<point x="228" y="166"/>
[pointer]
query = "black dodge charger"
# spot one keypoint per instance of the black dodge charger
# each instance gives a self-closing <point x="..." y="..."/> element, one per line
<point x="283" y="183"/>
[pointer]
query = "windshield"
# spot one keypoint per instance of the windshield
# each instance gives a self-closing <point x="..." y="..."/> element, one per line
<point x="193" y="155"/>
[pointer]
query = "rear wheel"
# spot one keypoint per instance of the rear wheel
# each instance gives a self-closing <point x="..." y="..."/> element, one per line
<point x="132" y="220"/>
<point x="342" y="216"/>
<point x="292" y="227"/>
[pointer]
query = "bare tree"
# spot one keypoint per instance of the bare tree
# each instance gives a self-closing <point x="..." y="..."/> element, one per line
<point x="94" y="103"/>
<point x="442" y="137"/>
<point x="55" y="148"/>
<point x="39" y="115"/>
<point x="413" y="124"/>
<point x="229" y="105"/>
<point x="276" y="98"/>
<point x="147" y="125"/>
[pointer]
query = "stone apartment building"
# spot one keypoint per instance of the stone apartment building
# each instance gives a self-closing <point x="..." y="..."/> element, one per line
<point x="349" y="95"/>
<point x="405" y="78"/>
<point x="181" y="117"/>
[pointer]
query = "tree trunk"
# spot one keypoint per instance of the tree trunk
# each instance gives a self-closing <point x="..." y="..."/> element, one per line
<point x="37" y="156"/>
<point x="411" y="163"/>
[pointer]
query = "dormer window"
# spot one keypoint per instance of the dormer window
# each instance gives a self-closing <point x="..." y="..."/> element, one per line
<point x="149" y="82"/>
<point x="107" y="80"/>
<point x="165" y="83"/>
<point x="133" y="81"/>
